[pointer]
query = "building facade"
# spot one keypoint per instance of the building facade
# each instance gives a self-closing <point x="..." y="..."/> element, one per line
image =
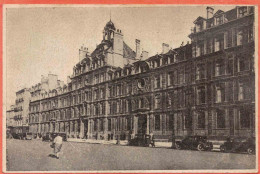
<point x="205" y="87"/>
<point x="10" y="123"/>
<point x="21" y="109"/>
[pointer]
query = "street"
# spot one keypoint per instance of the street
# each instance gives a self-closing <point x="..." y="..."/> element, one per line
<point x="33" y="155"/>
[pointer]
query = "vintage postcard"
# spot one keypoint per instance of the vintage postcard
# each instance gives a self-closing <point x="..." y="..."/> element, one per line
<point x="130" y="88"/>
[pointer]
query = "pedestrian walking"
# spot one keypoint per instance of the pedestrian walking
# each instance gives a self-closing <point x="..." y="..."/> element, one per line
<point x="57" y="143"/>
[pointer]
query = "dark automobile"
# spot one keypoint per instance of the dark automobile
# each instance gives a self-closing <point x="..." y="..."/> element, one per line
<point x="194" y="142"/>
<point x="239" y="145"/>
<point x="26" y="136"/>
<point x="141" y="140"/>
<point x="49" y="136"/>
<point x="15" y="135"/>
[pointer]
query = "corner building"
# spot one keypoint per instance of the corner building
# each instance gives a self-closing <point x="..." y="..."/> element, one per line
<point x="202" y="88"/>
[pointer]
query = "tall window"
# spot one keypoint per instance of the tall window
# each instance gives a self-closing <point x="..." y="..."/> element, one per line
<point x="101" y="125"/>
<point x="201" y="95"/>
<point x="181" y="79"/>
<point x="95" y="125"/>
<point x="157" y="81"/>
<point x="200" y="48"/>
<point x="220" y="93"/>
<point x="220" y="68"/>
<point x="200" y="71"/>
<point x="96" y="109"/>
<point x="157" y="122"/>
<point x="243" y="64"/>
<point x="141" y="103"/>
<point x="244" y="91"/>
<point x="102" y="77"/>
<point x="209" y="46"/>
<point x="109" y="124"/>
<point x="240" y="36"/>
<point x="96" y="79"/>
<point x="128" y="123"/>
<point x="127" y="106"/>
<point x="157" y="101"/>
<point x="220" y="115"/>
<point x="171" y="122"/>
<point x="219" y="42"/>
<point x="244" y="116"/>
<point x="96" y="94"/>
<point x="170" y="78"/>
<point x="201" y="120"/>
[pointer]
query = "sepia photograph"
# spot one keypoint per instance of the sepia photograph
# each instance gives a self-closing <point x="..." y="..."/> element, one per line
<point x="130" y="88"/>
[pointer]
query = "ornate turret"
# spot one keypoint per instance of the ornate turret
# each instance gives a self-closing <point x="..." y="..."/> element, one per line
<point x="109" y="30"/>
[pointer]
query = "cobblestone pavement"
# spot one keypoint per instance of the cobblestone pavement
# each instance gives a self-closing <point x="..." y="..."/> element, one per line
<point x="33" y="155"/>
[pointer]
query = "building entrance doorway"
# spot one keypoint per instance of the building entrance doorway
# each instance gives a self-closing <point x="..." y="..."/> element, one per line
<point x="142" y="124"/>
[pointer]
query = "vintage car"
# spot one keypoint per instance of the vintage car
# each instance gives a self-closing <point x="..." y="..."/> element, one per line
<point x="49" y="136"/>
<point x="141" y="140"/>
<point x="239" y="145"/>
<point x="27" y="136"/>
<point x="16" y="135"/>
<point x="194" y="142"/>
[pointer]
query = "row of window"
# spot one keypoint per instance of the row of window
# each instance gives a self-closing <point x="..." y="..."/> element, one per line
<point x="234" y="37"/>
<point x="223" y="18"/>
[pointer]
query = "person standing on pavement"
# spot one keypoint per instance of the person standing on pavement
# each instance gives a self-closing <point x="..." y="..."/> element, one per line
<point x="57" y="145"/>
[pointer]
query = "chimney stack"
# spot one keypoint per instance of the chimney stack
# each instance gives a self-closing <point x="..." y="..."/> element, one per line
<point x="144" y="55"/>
<point x="210" y="12"/>
<point x="82" y="52"/>
<point x="165" y="48"/>
<point x="137" y="44"/>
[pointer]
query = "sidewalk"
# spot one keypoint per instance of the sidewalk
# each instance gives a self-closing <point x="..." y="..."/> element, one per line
<point x="216" y="144"/>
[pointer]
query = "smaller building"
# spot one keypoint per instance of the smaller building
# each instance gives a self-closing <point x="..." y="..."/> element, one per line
<point x="10" y="121"/>
<point x="21" y="110"/>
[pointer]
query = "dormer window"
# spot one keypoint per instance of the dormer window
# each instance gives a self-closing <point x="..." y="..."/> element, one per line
<point x="219" y="20"/>
<point x="242" y="11"/>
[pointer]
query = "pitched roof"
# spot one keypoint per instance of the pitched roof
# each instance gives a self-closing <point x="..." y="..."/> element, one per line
<point x="128" y="52"/>
<point x="218" y="12"/>
<point x="198" y="19"/>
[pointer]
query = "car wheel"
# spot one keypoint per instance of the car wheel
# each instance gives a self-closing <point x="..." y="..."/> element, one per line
<point x="250" y="150"/>
<point x="178" y="146"/>
<point x="200" y="147"/>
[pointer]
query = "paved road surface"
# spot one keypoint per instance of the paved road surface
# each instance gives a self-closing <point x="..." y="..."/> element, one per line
<point x="33" y="155"/>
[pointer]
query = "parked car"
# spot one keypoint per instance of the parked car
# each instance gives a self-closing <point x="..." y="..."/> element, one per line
<point x="15" y="135"/>
<point x="239" y="145"/>
<point x="26" y="136"/>
<point x="49" y="136"/>
<point x="194" y="142"/>
<point x="141" y="140"/>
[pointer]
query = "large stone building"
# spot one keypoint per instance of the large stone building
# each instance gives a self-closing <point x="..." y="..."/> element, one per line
<point x="202" y="88"/>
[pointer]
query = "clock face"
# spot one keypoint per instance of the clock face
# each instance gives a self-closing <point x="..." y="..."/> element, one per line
<point x="141" y="83"/>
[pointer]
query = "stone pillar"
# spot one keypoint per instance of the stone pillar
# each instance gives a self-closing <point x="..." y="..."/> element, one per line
<point x="81" y="133"/>
<point x="148" y="124"/>
<point x="89" y="129"/>
<point x="194" y="122"/>
<point x="105" y="128"/>
<point x="135" y="124"/>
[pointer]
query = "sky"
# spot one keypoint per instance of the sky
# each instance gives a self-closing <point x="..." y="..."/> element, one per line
<point x="42" y="40"/>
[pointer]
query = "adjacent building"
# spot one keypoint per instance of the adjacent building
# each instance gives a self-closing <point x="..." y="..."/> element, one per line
<point x="206" y="87"/>
<point x="10" y="123"/>
<point x="21" y="110"/>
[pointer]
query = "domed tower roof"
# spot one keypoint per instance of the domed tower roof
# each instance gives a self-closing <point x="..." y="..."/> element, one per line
<point x="110" y="26"/>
